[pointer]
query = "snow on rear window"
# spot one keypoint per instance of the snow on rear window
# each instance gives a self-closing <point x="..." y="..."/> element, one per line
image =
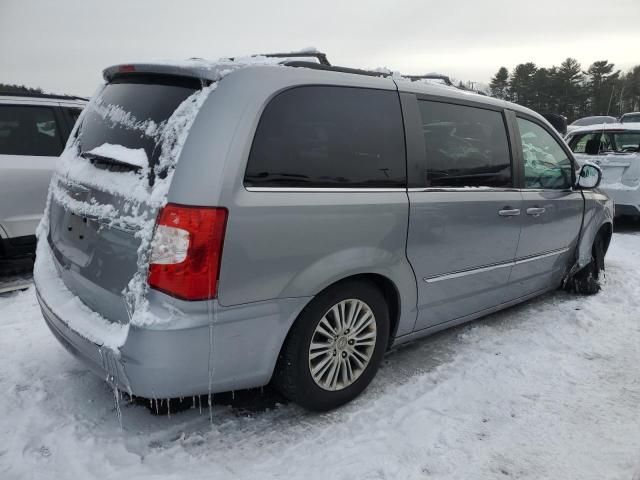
<point x="133" y="113"/>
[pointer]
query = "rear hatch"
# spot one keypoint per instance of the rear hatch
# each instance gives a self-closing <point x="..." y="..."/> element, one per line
<point x="619" y="169"/>
<point x="615" y="150"/>
<point x="111" y="181"/>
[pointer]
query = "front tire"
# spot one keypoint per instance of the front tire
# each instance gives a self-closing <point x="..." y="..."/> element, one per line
<point x="335" y="347"/>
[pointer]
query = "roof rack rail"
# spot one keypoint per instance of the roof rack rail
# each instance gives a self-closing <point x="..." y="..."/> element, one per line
<point x="431" y="76"/>
<point x="333" y="68"/>
<point x="6" y="93"/>
<point x="357" y="71"/>
<point x="322" y="57"/>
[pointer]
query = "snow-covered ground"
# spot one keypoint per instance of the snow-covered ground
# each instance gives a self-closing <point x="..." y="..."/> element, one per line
<point x="546" y="390"/>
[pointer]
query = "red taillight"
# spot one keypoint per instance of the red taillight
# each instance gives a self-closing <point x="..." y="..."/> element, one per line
<point x="126" y="68"/>
<point x="186" y="251"/>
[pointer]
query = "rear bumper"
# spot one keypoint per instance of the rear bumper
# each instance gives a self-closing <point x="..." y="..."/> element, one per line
<point x="627" y="210"/>
<point x="91" y="354"/>
<point x="237" y="349"/>
<point x="627" y="200"/>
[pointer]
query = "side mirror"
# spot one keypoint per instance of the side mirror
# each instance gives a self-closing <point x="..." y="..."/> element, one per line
<point x="590" y="176"/>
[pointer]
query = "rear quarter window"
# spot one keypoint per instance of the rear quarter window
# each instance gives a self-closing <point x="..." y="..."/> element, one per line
<point x="331" y="137"/>
<point x="29" y="130"/>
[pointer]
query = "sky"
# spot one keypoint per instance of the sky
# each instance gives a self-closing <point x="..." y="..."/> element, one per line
<point x="63" y="45"/>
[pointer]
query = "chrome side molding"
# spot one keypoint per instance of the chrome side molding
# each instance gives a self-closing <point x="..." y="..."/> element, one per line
<point x="464" y="273"/>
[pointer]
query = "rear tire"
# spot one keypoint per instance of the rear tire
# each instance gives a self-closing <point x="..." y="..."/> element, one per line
<point x="588" y="281"/>
<point x="348" y="325"/>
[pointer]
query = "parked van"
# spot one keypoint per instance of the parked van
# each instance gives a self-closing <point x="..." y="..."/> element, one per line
<point x="218" y="226"/>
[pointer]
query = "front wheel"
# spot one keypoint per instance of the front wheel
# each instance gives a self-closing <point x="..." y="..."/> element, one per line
<point x="335" y="347"/>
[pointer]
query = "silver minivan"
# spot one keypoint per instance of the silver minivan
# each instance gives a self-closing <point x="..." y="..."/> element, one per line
<point x="220" y="226"/>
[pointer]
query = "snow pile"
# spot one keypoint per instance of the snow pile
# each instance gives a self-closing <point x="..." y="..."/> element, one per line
<point x="546" y="390"/>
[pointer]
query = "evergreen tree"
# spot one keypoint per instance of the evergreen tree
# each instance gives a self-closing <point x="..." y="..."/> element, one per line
<point x="521" y="85"/>
<point x="601" y="87"/>
<point x="8" y="88"/>
<point x="499" y="85"/>
<point x="629" y="100"/>
<point x="542" y="90"/>
<point x="568" y="89"/>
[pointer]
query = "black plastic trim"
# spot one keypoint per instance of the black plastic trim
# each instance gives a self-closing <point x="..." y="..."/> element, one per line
<point x="52" y="96"/>
<point x="16" y="247"/>
<point x="331" y="68"/>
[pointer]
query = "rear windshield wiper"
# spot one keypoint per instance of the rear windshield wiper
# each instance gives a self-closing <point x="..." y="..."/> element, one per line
<point x="108" y="163"/>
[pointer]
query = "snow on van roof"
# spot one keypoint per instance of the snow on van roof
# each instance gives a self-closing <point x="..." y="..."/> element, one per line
<point x="211" y="71"/>
<point x="214" y="70"/>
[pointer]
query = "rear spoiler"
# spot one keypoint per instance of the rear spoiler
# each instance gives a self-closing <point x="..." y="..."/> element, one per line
<point x="190" y="68"/>
<point x="199" y="68"/>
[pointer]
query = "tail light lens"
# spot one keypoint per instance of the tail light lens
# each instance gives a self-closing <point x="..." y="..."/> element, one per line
<point x="186" y="251"/>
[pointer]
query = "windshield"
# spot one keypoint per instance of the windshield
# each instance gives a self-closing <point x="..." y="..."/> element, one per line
<point x="630" y="118"/>
<point x="594" y="143"/>
<point x="593" y="121"/>
<point x="131" y="112"/>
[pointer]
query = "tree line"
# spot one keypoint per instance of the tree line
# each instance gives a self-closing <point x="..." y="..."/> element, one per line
<point x="11" y="88"/>
<point x="569" y="90"/>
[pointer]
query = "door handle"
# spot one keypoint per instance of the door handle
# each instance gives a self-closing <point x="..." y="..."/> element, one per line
<point x="509" y="212"/>
<point x="536" y="211"/>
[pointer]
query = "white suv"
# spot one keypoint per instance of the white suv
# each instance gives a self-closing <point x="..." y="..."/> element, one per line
<point x="33" y="131"/>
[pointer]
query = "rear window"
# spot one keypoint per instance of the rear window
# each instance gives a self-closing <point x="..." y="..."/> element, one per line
<point x="594" y="143"/>
<point x="132" y="112"/>
<point x="29" y="130"/>
<point x="325" y="136"/>
<point x="630" y="118"/>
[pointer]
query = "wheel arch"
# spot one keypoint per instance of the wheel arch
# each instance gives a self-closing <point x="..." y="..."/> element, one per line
<point x="606" y="231"/>
<point x="391" y="295"/>
<point x="383" y="283"/>
<point x="598" y="220"/>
